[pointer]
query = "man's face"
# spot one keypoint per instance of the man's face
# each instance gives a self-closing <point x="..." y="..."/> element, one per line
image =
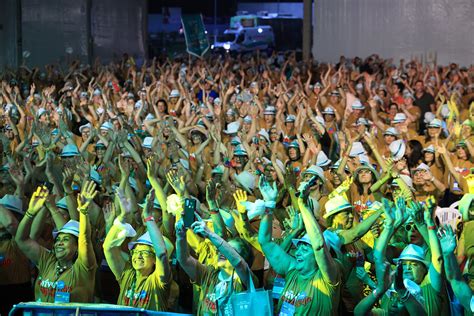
<point x="414" y="271"/>
<point x="418" y="177"/>
<point x="419" y="87"/>
<point x="343" y="220"/>
<point x="85" y="133"/>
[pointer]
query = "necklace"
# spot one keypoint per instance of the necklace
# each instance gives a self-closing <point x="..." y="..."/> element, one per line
<point x="60" y="269"/>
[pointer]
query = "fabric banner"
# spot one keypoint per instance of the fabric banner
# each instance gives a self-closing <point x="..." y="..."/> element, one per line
<point x="197" y="42"/>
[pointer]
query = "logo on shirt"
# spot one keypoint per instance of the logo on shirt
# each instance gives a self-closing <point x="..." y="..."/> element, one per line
<point x="141" y="298"/>
<point x="48" y="288"/>
<point x="296" y="299"/>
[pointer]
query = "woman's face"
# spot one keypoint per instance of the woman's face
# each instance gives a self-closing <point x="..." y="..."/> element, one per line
<point x="269" y="119"/>
<point x="293" y="153"/>
<point x="65" y="247"/>
<point x="85" y="133"/>
<point x="413" y="235"/>
<point x="414" y="271"/>
<point x="161" y="107"/>
<point x="100" y="151"/>
<point x="335" y="178"/>
<point x="305" y="260"/>
<point x="389" y="139"/>
<point x="461" y="152"/>
<point x="429" y="157"/>
<point x="270" y="173"/>
<point x="104" y="133"/>
<point x="329" y="117"/>
<point x="434" y="131"/>
<point x="343" y="220"/>
<point x="393" y="110"/>
<point x="273" y="135"/>
<point x="240" y="161"/>
<point x="196" y="138"/>
<point x="365" y="176"/>
<point x="143" y="258"/>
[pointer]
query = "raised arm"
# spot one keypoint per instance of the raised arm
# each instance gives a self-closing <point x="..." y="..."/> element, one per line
<point x="280" y="261"/>
<point x="28" y="246"/>
<point x="162" y="265"/>
<point x="85" y="249"/>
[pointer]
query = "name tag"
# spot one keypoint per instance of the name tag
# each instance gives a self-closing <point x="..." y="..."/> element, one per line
<point x="62" y="297"/>
<point x="278" y="285"/>
<point x="287" y="309"/>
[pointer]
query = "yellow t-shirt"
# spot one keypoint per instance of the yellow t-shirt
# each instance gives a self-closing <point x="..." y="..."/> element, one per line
<point x="14" y="266"/>
<point x="78" y="280"/>
<point x="147" y="292"/>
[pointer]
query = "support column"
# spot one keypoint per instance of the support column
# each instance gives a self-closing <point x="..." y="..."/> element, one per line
<point x="307" y="28"/>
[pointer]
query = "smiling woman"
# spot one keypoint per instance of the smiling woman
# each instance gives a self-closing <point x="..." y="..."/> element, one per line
<point x="67" y="273"/>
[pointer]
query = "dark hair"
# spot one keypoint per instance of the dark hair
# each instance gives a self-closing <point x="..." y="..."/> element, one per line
<point x="416" y="153"/>
<point x="244" y="250"/>
<point x="166" y="104"/>
<point x="360" y="188"/>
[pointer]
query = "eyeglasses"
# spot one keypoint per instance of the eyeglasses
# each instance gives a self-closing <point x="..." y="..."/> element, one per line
<point x="410" y="227"/>
<point x="143" y="253"/>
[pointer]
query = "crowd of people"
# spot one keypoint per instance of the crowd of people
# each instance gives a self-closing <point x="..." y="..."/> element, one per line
<point x="177" y="185"/>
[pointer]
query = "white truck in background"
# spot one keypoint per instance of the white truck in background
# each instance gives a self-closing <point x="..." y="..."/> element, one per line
<point x="245" y="35"/>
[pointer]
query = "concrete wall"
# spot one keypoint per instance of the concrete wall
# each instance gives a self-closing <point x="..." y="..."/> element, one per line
<point x="395" y="28"/>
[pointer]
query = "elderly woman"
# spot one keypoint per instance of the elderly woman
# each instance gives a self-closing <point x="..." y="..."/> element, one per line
<point x="145" y="280"/>
<point x="312" y="277"/>
<point x="67" y="273"/>
<point x="235" y="259"/>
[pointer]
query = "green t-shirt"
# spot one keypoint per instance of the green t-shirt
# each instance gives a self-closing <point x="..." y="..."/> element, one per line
<point x="213" y="289"/>
<point x="312" y="296"/>
<point x="147" y="292"/>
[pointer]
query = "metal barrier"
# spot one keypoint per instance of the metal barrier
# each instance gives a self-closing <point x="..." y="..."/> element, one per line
<point x="74" y="309"/>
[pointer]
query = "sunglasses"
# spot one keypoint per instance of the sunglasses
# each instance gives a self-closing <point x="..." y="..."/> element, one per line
<point x="410" y="227"/>
<point x="143" y="253"/>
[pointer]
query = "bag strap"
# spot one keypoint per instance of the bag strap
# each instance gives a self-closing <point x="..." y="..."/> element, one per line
<point x="251" y="285"/>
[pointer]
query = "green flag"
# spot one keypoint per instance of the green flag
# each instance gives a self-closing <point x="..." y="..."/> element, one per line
<point x="197" y="42"/>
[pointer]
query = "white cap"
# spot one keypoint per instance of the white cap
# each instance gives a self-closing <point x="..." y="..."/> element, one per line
<point x="357" y="105"/>
<point x="88" y="125"/>
<point x="357" y="149"/>
<point x="265" y="135"/>
<point x="246" y="180"/>
<point x="322" y="160"/>
<point x="147" y="142"/>
<point x="107" y="126"/>
<point x="397" y="149"/>
<point x="174" y="93"/>
<point x="232" y="127"/>
<point x="399" y="118"/>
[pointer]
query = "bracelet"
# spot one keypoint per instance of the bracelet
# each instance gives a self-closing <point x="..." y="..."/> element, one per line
<point x="29" y="215"/>
<point x="433" y="227"/>
<point x="220" y="245"/>
<point x="149" y="219"/>
<point x="214" y="211"/>
<point x="268" y="211"/>
<point x="405" y="297"/>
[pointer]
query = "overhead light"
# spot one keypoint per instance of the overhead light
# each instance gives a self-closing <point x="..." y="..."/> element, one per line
<point x="212" y="46"/>
<point x="260" y="30"/>
<point x="226" y="46"/>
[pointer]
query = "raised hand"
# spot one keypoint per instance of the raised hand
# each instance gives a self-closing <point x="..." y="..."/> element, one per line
<point x="415" y="211"/>
<point x="124" y="167"/>
<point x="240" y="197"/>
<point x="150" y="199"/>
<point x="37" y="200"/>
<point x="176" y="182"/>
<point x="211" y="190"/>
<point x="400" y="211"/>
<point x="152" y="167"/>
<point x="294" y="221"/>
<point x="429" y="208"/>
<point x="109" y="213"/>
<point x="447" y="239"/>
<point x="200" y="228"/>
<point x="86" y="196"/>
<point x="269" y="192"/>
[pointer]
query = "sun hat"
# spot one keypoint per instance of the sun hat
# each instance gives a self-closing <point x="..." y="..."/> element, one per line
<point x="357" y="105"/>
<point x="232" y="127"/>
<point x="147" y="141"/>
<point x="422" y="167"/>
<point x="240" y="151"/>
<point x="317" y="171"/>
<point x="12" y="203"/>
<point x="391" y="131"/>
<point x="264" y="134"/>
<point x="399" y="118"/>
<point x="357" y="149"/>
<point x="269" y="110"/>
<point x="82" y="127"/>
<point x="70" y="150"/>
<point x="414" y="253"/>
<point x="62" y="203"/>
<point x="71" y="227"/>
<point x="218" y="170"/>
<point x="397" y="149"/>
<point x="322" y="159"/>
<point x="95" y="176"/>
<point x="367" y="166"/>
<point x="290" y="118"/>
<point x="293" y="144"/>
<point x="362" y="121"/>
<point x="435" y="123"/>
<point x="107" y="126"/>
<point x="246" y="180"/>
<point x="329" y="111"/>
<point x="429" y="149"/>
<point x="174" y="93"/>
<point x="336" y="205"/>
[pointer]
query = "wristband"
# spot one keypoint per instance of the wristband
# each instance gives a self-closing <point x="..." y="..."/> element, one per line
<point x="270" y="204"/>
<point x="405" y="297"/>
<point x="29" y="215"/>
<point x="433" y="227"/>
<point x="214" y="211"/>
<point x="268" y="211"/>
<point x="148" y="219"/>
